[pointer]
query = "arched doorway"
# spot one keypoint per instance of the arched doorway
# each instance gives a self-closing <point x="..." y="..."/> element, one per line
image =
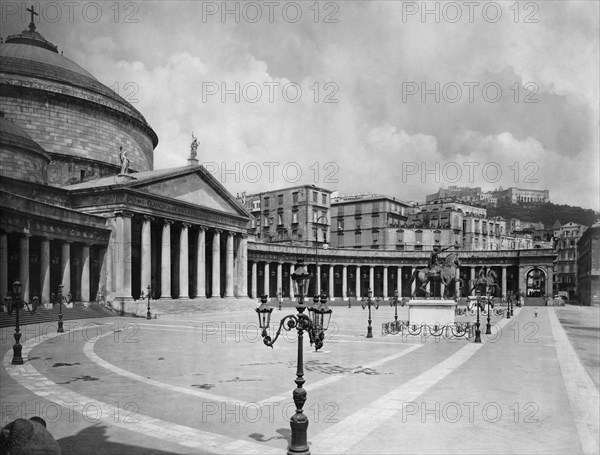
<point x="535" y="283"/>
<point x="535" y="287"/>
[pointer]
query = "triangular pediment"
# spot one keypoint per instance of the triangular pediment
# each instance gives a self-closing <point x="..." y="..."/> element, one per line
<point x="193" y="187"/>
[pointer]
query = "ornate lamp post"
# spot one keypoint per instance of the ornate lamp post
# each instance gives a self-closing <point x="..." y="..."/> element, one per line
<point x="490" y="305"/>
<point x="315" y="325"/>
<point x="59" y="297"/>
<point x="477" y="324"/>
<point x="148" y="315"/>
<point x="367" y="303"/>
<point x="13" y="301"/>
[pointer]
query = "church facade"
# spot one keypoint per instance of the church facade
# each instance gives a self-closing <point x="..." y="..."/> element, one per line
<point x="81" y="205"/>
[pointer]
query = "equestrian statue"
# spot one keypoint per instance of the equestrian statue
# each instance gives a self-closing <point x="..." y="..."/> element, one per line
<point x="438" y="271"/>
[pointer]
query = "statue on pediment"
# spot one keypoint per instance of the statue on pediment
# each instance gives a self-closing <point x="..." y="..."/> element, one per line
<point x="194" y="147"/>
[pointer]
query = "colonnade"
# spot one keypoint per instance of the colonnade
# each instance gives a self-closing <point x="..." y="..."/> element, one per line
<point x="339" y="280"/>
<point x="180" y="269"/>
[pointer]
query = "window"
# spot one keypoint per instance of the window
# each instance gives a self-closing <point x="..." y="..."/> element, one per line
<point x="437" y="237"/>
<point x="266" y="221"/>
<point x="295" y="216"/>
<point x="315" y="234"/>
<point x="400" y="247"/>
<point x="400" y="236"/>
<point x="315" y="196"/>
<point x="324" y="199"/>
<point x="375" y="236"/>
<point x="375" y="207"/>
<point x="295" y="197"/>
<point x="270" y="221"/>
<point x="315" y="215"/>
<point x="418" y="247"/>
<point x="280" y="199"/>
<point x="266" y="202"/>
<point x="340" y="224"/>
<point x="357" y="238"/>
<point x="279" y="219"/>
<point x="419" y="236"/>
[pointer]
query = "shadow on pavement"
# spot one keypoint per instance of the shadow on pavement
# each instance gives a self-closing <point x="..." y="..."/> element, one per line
<point x="94" y="440"/>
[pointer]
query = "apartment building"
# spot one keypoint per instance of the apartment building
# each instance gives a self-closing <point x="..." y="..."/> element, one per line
<point x="295" y="215"/>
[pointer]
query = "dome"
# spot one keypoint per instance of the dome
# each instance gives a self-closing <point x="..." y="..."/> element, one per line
<point x="21" y="157"/>
<point x="29" y="54"/>
<point x="79" y="122"/>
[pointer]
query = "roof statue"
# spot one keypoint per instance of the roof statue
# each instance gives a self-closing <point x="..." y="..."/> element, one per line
<point x="124" y="161"/>
<point x="194" y="147"/>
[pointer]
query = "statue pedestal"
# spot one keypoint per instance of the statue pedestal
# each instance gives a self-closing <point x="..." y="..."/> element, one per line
<point x="431" y="312"/>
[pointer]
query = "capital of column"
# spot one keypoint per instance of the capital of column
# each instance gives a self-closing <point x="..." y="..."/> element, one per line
<point x="148" y="218"/>
<point x="186" y="225"/>
<point x="217" y="231"/>
<point x="166" y="221"/>
<point x="201" y="228"/>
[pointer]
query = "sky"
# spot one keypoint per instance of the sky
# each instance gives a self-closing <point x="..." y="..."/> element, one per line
<point x="391" y="97"/>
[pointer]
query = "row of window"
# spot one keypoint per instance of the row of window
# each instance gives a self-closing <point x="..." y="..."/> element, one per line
<point x="315" y="198"/>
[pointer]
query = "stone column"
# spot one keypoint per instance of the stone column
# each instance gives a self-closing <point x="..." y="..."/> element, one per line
<point x="550" y="281"/>
<point x="243" y="261"/>
<point x="24" y="266"/>
<point x="123" y="262"/>
<point x="44" y="271"/>
<point x="344" y="282"/>
<point x="201" y="264"/>
<point x="385" y="282"/>
<point x="292" y="296"/>
<point x="522" y="281"/>
<point x="266" y="283"/>
<point x="457" y="283"/>
<point x="85" y="273"/>
<point x="413" y="285"/>
<point x="229" y="266"/>
<point x="253" y="284"/>
<point x="165" y="261"/>
<point x="280" y="278"/>
<point x="3" y="265"/>
<point x="372" y="279"/>
<point x="216" y="264"/>
<point x="472" y="280"/>
<point x="331" y="283"/>
<point x="399" y="281"/>
<point x="318" y="280"/>
<point x="503" y="281"/>
<point x="357" y="284"/>
<point x="184" y="258"/>
<point x="146" y="259"/>
<point x="65" y="268"/>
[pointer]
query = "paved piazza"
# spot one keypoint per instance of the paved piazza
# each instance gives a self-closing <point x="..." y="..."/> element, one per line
<point x="203" y="382"/>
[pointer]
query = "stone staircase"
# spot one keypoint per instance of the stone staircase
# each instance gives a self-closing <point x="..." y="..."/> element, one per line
<point x="79" y="311"/>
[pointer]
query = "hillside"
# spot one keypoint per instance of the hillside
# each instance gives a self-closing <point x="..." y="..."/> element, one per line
<point x="547" y="213"/>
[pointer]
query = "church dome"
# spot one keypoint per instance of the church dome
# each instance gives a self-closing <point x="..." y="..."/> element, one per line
<point x="20" y="156"/>
<point x="77" y="120"/>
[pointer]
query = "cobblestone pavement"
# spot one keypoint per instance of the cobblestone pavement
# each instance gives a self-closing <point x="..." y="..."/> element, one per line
<point x="198" y="379"/>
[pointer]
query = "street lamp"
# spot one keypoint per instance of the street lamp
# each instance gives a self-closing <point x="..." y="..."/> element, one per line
<point x="477" y="324"/>
<point x="367" y="303"/>
<point x="508" y="299"/>
<point x="315" y="325"/>
<point x="394" y="302"/>
<point x="13" y="301"/>
<point x="59" y="297"/>
<point x="148" y="315"/>
<point x="490" y="305"/>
